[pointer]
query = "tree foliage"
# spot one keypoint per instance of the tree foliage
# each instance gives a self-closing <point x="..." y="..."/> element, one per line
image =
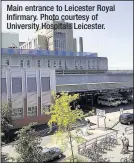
<point x="6" y="122"/>
<point x="61" y="112"/>
<point x="65" y="118"/>
<point x="6" y="118"/>
<point x="28" y="145"/>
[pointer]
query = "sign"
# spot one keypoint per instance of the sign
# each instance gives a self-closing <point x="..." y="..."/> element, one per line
<point x="100" y="113"/>
<point x="121" y="111"/>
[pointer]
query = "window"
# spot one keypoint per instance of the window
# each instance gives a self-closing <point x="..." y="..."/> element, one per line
<point x="45" y="84"/>
<point x="57" y="43"/>
<point x="3" y="85"/>
<point x="30" y="45"/>
<point x="32" y="111"/>
<point x="81" y="65"/>
<point x="48" y="63"/>
<point x="7" y="62"/>
<point x="16" y="85"/>
<point x="75" y="64"/>
<point x="59" y="63"/>
<point x="38" y="63"/>
<point x="31" y="84"/>
<point x="35" y="42"/>
<point x="97" y="64"/>
<point x="66" y="65"/>
<point x="21" y="63"/>
<point x="28" y="63"/>
<point x="17" y="113"/>
<point x="89" y="65"/>
<point x="54" y="63"/>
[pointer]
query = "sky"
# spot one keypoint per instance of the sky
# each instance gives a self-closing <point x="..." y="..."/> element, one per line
<point x="114" y="42"/>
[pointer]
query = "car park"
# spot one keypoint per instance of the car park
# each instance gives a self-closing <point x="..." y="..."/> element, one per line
<point x="126" y="118"/>
<point x="108" y="101"/>
<point x="123" y="100"/>
<point x="130" y="98"/>
<point x="50" y="154"/>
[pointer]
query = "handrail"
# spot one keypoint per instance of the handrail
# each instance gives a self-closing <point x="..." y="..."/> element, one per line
<point x="128" y="128"/>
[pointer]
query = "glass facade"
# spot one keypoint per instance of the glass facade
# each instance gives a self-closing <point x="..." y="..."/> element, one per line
<point x="16" y="85"/>
<point x="31" y="84"/>
<point x="45" y="84"/>
<point x="3" y="85"/>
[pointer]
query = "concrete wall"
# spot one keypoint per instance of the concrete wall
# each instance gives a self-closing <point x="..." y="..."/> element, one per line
<point x="8" y="39"/>
<point x="95" y="78"/>
<point x="72" y="62"/>
<point x="39" y="41"/>
<point x="42" y="43"/>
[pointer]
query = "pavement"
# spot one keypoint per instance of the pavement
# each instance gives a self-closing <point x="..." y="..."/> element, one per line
<point x="115" y="155"/>
<point x="111" y="118"/>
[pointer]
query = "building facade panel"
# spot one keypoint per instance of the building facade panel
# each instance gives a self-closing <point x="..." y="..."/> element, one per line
<point x="95" y="78"/>
<point x="24" y="91"/>
<point x="57" y="63"/>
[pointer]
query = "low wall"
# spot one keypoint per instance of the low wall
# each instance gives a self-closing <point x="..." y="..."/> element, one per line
<point x="92" y="78"/>
<point x="43" y="119"/>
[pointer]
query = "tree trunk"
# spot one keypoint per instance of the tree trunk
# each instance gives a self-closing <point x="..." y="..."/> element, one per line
<point x="71" y="145"/>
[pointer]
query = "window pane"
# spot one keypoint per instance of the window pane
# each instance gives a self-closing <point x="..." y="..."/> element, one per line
<point x="21" y="63"/>
<point x="16" y="85"/>
<point x="31" y="84"/>
<point x="45" y="82"/>
<point x="28" y="63"/>
<point x="3" y="85"/>
<point x="7" y="62"/>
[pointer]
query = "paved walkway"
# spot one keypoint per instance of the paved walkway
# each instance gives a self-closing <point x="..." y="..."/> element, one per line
<point x="115" y="155"/>
<point x="49" y="141"/>
<point x="111" y="119"/>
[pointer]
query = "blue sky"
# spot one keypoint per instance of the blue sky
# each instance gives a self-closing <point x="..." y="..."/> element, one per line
<point x="115" y="42"/>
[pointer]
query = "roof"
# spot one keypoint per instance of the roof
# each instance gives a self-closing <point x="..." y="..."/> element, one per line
<point x="93" y="86"/>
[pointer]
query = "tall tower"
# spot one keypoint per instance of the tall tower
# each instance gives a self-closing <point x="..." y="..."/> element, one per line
<point x="81" y="44"/>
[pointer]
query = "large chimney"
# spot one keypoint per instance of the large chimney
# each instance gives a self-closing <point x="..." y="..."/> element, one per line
<point x="81" y="44"/>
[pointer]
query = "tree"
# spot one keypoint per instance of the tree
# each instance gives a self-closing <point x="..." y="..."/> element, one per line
<point x="65" y="118"/>
<point x="28" y="145"/>
<point x="6" y="120"/>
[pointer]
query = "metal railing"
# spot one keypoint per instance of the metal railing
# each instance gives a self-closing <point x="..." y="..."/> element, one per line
<point x="120" y="72"/>
<point x="93" y="149"/>
<point x="88" y="143"/>
<point x="127" y="159"/>
<point x="129" y="130"/>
